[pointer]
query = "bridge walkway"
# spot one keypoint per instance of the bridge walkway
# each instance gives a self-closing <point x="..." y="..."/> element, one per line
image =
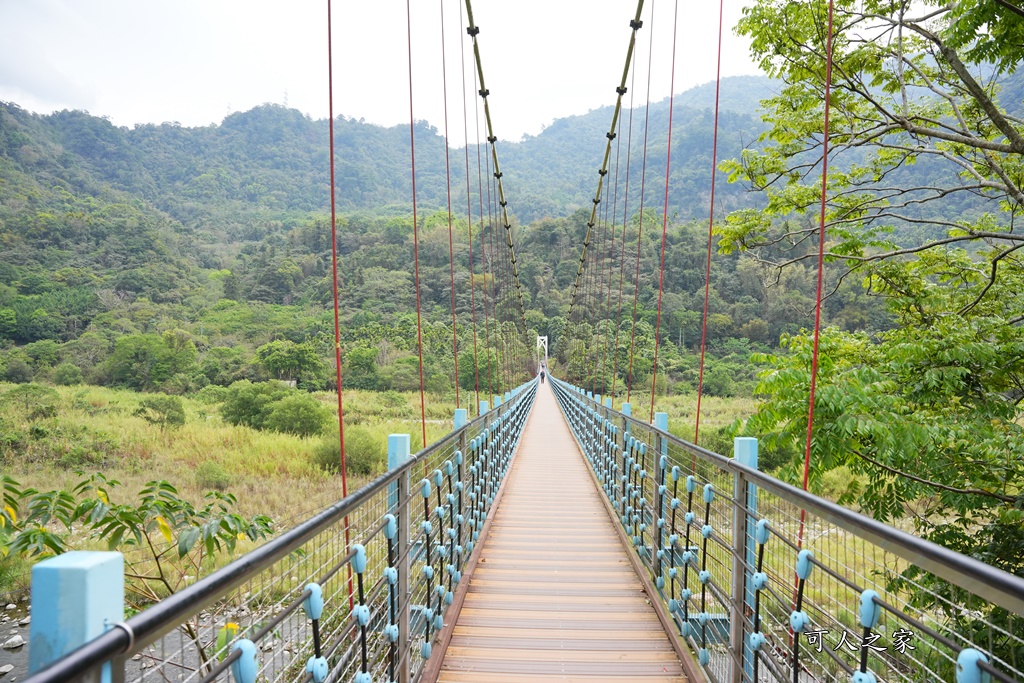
<point x="554" y="595"/>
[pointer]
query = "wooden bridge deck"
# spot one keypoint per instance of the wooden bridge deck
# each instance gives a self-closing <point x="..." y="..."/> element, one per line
<point x="554" y="595"/>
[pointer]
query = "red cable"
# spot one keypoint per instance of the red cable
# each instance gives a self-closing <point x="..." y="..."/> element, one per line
<point x="711" y="222"/>
<point x="469" y="219"/>
<point x="640" y="229"/>
<point x="334" y="273"/>
<point x="821" y="269"/>
<point x="415" y="233"/>
<point x="664" y="218"/>
<point x="448" y="184"/>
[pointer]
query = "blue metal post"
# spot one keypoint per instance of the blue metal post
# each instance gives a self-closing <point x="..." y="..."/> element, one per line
<point x="461" y="417"/>
<point x="484" y="407"/>
<point x="398" y="453"/>
<point x="661" y="422"/>
<point x="75" y="598"/>
<point x="745" y="453"/>
<point x="607" y="401"/>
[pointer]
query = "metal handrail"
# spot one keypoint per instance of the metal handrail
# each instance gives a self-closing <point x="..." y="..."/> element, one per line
<point x="131" y="636"/>
<point x="991" y="583"/>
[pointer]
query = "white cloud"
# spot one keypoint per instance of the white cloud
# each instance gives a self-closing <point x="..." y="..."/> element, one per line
<point x="192" y="60"/>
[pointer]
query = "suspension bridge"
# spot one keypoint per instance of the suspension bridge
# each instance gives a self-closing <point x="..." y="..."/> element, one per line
<point x="553" y="536"/>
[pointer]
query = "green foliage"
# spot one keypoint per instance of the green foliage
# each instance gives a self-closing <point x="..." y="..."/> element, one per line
<point x="297" y="413"/>
<point x="35" y="400"/>
<point x="365" y="454"/>
<point x="148" y="361"/>
<point x="18" y="371"/>
<point x="67" y="374"/>
<point x="164" y="411"/>
<point x="287" y="360"/>
<point x="210" y="475"/>
<point x="250" y="404"/>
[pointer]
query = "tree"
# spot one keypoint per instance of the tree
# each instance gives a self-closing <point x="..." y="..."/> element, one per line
<point x="287" y="360"/>
<point x="250" y="404"/>
<point x="175" y="538"/>
<point x="164" y="411"/>
<point x="913" y="85"/>
<point x="299" y="414"/>
<point x="147" y="361"/>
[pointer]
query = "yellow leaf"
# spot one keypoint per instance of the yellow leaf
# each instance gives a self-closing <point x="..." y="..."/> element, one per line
<point x="12" y="513"/>
<point x="165" y="529"/>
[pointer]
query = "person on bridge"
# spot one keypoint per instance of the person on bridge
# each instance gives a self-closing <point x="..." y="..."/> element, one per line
<point x="542" y="376"/>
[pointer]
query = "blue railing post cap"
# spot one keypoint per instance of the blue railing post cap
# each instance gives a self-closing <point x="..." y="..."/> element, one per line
<point x="691" y="484"/>
<point x="425" y="488"/>
<point x="968" y="669"/>
<point x="762" y="532"/>
<point x="359" y="560"/>
<point x="245" y="668"/>
<point x="799" y="621"/>
<point x="804" y="564"/>
<point x="314" y="603"/>
<point x="390" y="527"/>
<point x="317" y="668"/>
<point x="870" y="610"/>
<point x="709" y="493"/>
<point x="863" y="677"/>
<point x="757" y="641"/>
<point x="363" y="677"/>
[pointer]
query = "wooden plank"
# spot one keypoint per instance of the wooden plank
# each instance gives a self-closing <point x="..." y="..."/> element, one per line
<point x="554" y="596"/>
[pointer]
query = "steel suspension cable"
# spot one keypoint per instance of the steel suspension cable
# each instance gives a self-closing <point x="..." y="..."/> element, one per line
<point x="640" y="226"/>
<point x="473" y="30"/>
<point x="711" y="223"/>
<point x="664" y="217"/>
<point x="483" y="249"/>
<point x="634" y="25"/>
<point x="469" y="220"/>
<point x="448" y="186"/>
<point x="613" y="210"/>
<point x="625" y="222"/>
<point x="415" y="230"/>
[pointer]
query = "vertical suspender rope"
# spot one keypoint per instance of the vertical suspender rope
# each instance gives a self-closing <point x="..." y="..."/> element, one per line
<point x="448" y="185"/>
<point x="664" y="217"/>
<point x="625" y="222"/>
<point x="821" y="263"/>
<point x="613" y="210"/>
<point x="640" y="228"/>
<point x="483" y="250"/>
<point x="711" y="223"/>
<point x="415" y="232"/>
<point x="334" y="287"/>
<point x="469" y="219"/>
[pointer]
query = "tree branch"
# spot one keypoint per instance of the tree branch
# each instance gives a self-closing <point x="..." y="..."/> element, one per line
<point x="942" y="487"/>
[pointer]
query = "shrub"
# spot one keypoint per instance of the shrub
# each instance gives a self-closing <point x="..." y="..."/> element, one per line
<point x="162" y="410"/>
<point x="364" y="453"/>
<point x="18" y="371"/>
<point x="249" y="404"/>
<point x="212" y="394"/>
<point x="67" y="374"/>
<point x="299" y="414"/>
<point x="210" y="475"/>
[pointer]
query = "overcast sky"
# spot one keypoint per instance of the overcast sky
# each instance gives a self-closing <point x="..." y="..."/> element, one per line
<point x="195" y="61"/>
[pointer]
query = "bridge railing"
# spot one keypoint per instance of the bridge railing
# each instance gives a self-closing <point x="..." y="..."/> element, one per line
<point x="358" y="592"/>
<point x="766" y="582"/>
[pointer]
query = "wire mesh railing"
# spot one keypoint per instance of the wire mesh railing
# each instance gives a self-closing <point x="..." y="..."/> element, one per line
<point x="358" y="592"/>
<point x="766" y="582"/>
